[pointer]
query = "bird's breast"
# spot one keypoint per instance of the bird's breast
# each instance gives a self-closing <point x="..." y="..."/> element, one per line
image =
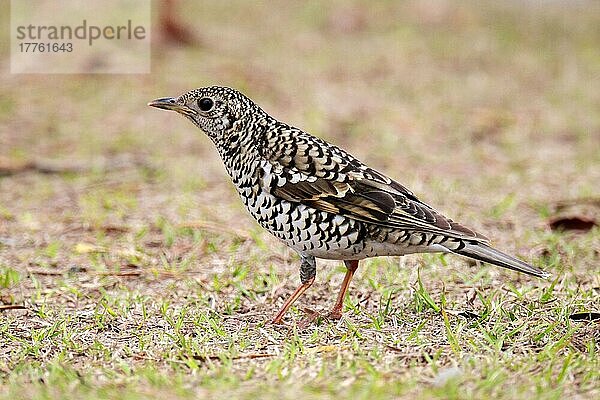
<point x="301" y="227"/>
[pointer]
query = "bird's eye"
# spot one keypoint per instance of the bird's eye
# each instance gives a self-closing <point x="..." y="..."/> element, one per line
<point x="205" y="104"/>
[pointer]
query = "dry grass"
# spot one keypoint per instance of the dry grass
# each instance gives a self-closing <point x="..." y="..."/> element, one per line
<point x="140" y="275"/>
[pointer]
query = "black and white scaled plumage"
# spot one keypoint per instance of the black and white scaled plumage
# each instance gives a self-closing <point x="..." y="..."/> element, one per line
<point x="320" y="200"/>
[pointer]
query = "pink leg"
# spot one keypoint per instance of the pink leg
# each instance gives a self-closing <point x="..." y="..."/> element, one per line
<point x="278" y="319"/>
<point x="336" y="311"/>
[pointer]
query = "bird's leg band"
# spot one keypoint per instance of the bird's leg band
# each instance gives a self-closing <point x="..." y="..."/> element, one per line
<point x="308" y="268"/>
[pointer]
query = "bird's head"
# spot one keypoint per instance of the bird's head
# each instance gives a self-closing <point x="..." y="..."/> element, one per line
<point x="215" y="109"/>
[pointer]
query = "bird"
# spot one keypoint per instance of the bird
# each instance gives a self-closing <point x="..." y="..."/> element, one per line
<point x="320" y="200"/>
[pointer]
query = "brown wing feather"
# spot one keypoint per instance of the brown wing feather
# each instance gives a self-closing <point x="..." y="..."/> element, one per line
<point x="327" y="178"/>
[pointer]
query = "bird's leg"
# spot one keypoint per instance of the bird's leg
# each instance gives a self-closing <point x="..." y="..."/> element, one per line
<point x="336" y="311"/>
<point x="308" y="270"/>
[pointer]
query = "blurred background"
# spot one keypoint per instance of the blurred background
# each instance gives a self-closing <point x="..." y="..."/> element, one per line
<point x="115" y="217"/>
<point x="479" y="107"/>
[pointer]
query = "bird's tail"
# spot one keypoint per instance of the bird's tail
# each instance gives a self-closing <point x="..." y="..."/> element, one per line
<point x="485" y="253"/>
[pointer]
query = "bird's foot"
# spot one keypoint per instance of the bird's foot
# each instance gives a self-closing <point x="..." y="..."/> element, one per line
<point x="311" y="316"/>
<point x="277" y="321"/>
<point x="336" y="312"/>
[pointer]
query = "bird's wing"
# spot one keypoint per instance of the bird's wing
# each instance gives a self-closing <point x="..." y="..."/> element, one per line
<point x="305" y="169"/>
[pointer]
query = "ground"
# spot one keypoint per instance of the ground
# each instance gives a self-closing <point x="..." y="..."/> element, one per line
<point x="129" y="268"/>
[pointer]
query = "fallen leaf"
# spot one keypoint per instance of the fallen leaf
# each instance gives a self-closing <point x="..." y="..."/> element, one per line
<point x="585" y="316"/>
<point x="4" y="307"/>
<point x="251" y="356"/>
<point x="572" y="224"/>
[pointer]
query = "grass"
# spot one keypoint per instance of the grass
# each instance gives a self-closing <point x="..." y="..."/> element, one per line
<point x="140" y="275"/>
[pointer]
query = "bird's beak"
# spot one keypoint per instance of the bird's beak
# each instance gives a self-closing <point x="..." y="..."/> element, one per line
<point x="170" y="103"/>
